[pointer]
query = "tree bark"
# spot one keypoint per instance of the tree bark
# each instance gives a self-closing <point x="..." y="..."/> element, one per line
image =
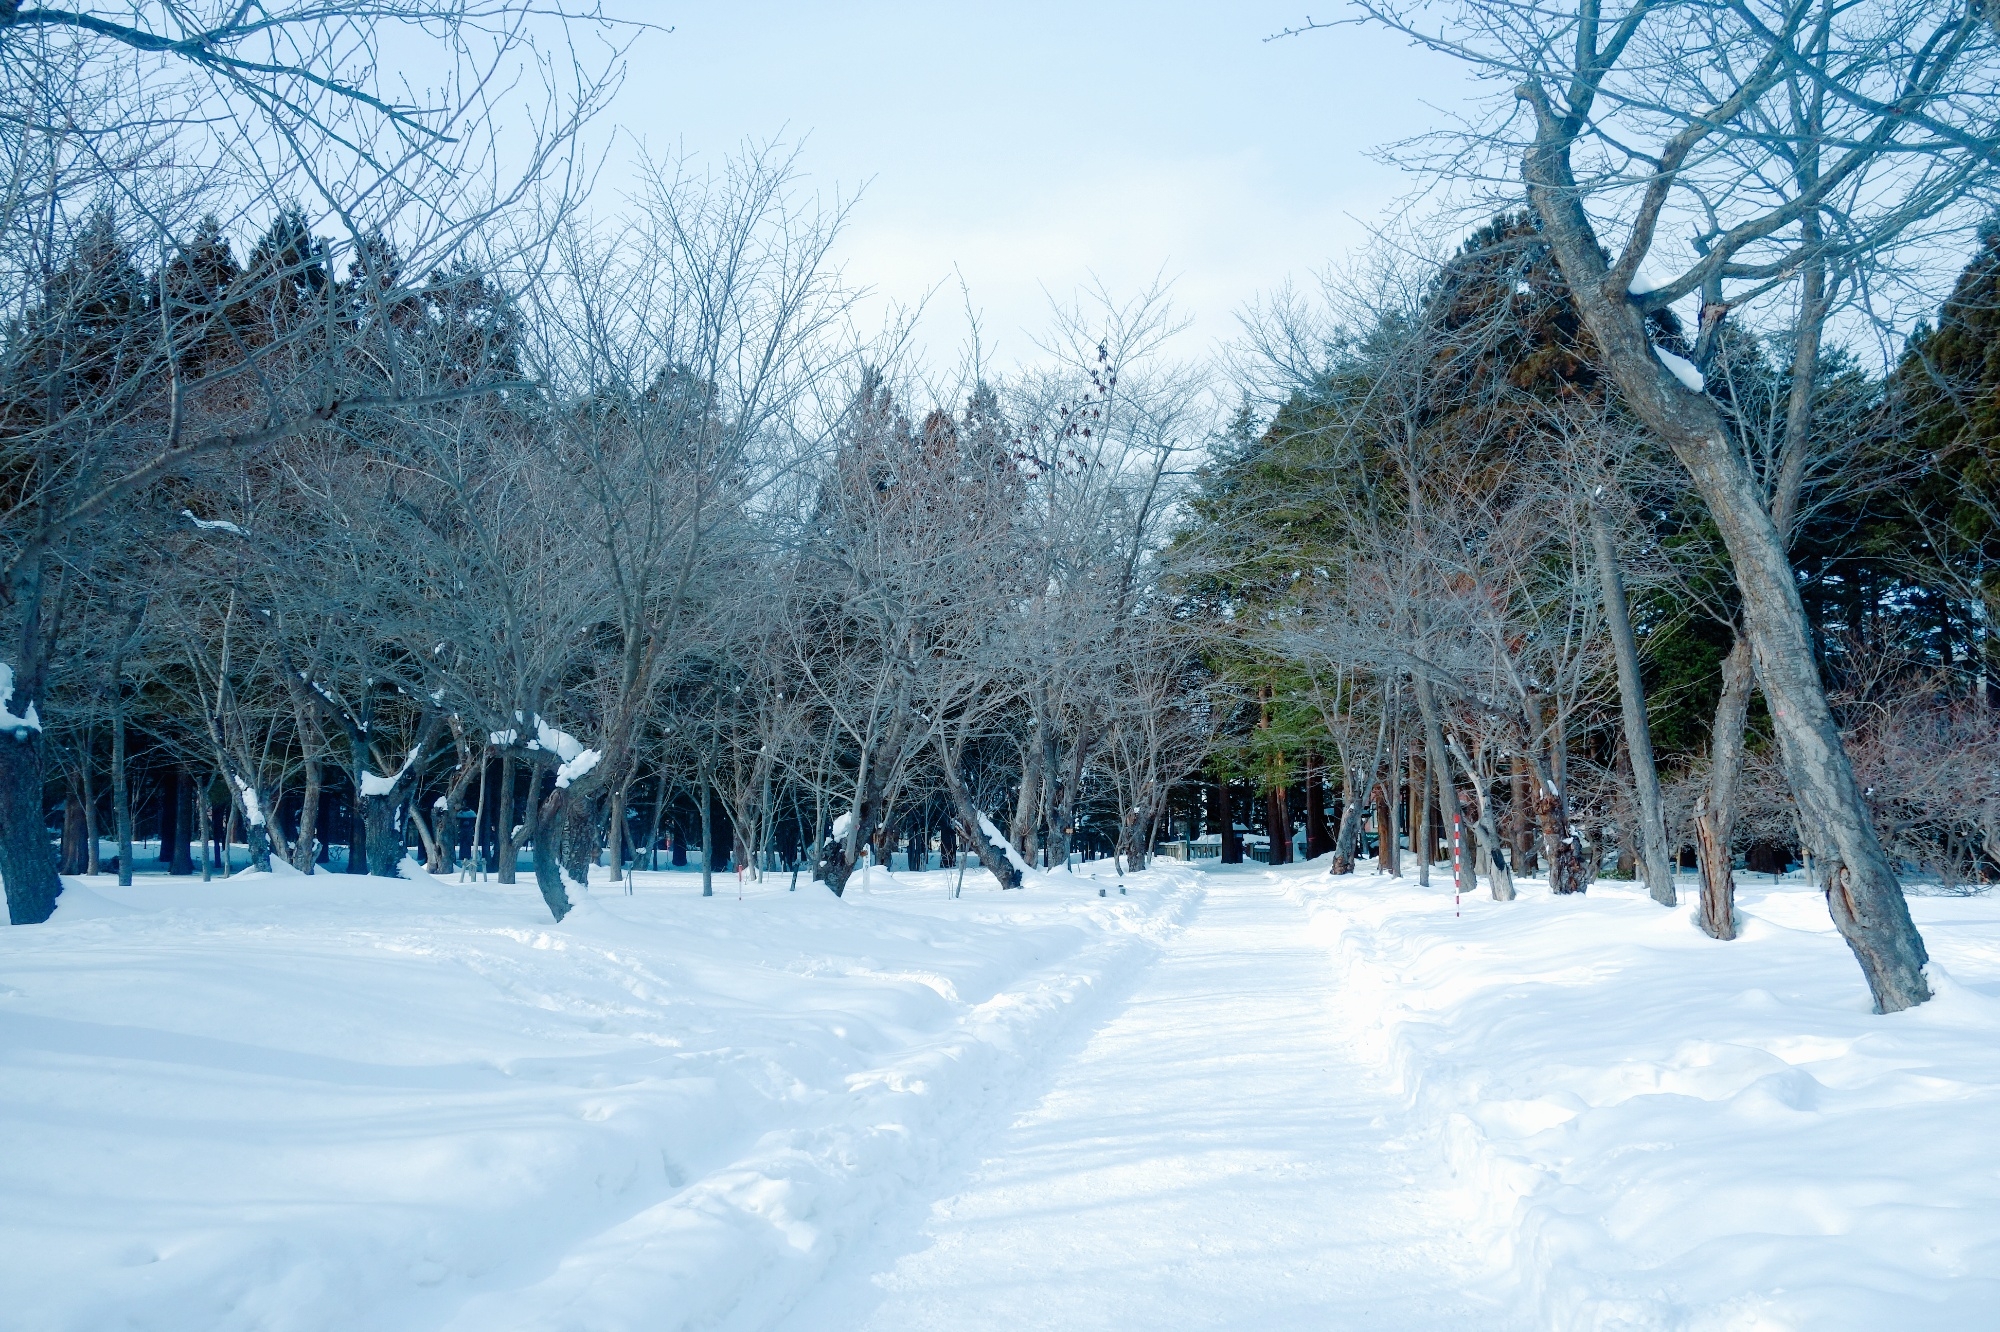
<point x="1319" y="836"/>
<point x="708" y="841"/>
<point x="1028" y="802"/>
<point x="121" y="782"/>
<point x="1417" y="818"/>
<point x="1447" y="799"/>
<point x="1862" y="892"/>
<point x="184" y="822"/>
<point x="1632" y="703"/>
<point x="305" y="850"/>
<point x="1715" y="819"/>
<point x="507" y="846"/>
<point x="29" y="869"/>
<point x="1559" y="849"/>
<point x="990" y="855"/>
<point x="1278" y="824"/>
<point x="89" y="807"/>
<point x="1487" y="830"/>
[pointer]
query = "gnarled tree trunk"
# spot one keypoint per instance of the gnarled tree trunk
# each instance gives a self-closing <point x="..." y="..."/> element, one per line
<point x="1862" y="892"/>
<point x="1715" y="818"/>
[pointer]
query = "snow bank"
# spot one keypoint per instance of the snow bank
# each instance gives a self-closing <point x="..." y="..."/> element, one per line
<point x="1662" y="1131"/>
<point x="329" y="1102"/>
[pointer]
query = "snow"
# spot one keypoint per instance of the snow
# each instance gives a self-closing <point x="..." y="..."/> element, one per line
<point x="1248" y="1097"/>
<point x="1006" y="847"/>
<point x="579" y="764"/>
<point x="1664" y="1131"/>
<point x="28" y="721"/>
<point x="373" y="784"/>
<point x="842" y="824"/>
<point x="293" y="1104"/>
<point x="253" y="809"/>
<point x="216" y="525"/>
<point x="1683" y="370"/>
<point x="1212" y="1157"/>
<point x="560" y="743"/>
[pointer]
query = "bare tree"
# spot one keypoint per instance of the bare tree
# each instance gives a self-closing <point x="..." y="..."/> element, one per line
<point x="110" y="164"/>
<point x="1790" y="134"/>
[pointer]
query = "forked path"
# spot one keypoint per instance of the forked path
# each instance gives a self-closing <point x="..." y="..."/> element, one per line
<point x="1212" y="1157"/>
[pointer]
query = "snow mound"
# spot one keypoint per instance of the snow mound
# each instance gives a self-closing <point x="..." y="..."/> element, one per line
<point x="306" y="1103"/>
<point x="1669" y="1132"/>
<point x="78" y="903"/>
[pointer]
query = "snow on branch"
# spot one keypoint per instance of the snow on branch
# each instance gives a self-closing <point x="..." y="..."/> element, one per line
<point x="19" y="725"/>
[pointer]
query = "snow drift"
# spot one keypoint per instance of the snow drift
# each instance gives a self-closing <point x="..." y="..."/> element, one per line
<point x="289" y="1103"/>
<point x="1662" y="1131"/>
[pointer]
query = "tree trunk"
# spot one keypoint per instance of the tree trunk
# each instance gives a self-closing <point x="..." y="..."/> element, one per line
<point x="1715" y="818"/>
<point x="1278" y="824"/>
<point x="614" y="834"/>
<point x="708" y="842"/>
<point x="1447" y="799"/>
<point x="1028" y="803"/>
<point x="1862" y="892"/>
<point x="1063" y="817"/>
<point x="512" y="836"/>
<point x="1487" y="829"/>
<point x="256" y="830"/>
<point x="1559" y="849"/>
<point x="1348" y="835"/>
<point x="305" y="851"/>
<point x="121" y="787"/>
<point x="203" y="812"/>
<point x="1319" y="836"/>
<point x="357" y="822"/>
<point x="1520" y="836"/>
<point x="25" y="861"/>
<point x="548" y="849"/>
<point x="580" y="837"/>
<point x="1416" y="811"/>
<point x="659" y="814"/>
<point x="383" y="833"/>
<point x="89" y="809"/>
<point x="991" y="855"/>
<point x="184" y="822"/>
<point x="1632" y="703"/>
<point x="1388" y="855"/>
<point x="73" y="833"/>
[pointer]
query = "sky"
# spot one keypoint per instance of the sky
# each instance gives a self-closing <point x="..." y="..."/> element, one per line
<point x="1034" y="149"/>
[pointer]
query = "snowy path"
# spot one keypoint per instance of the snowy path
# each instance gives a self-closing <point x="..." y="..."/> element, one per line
<point x="1212" y="1157"/>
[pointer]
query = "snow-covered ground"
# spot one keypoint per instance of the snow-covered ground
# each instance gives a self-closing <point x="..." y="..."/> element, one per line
<point x="340" y="1103"/>
<point x="1660" y="1131"/>
<point x="1247" y="1098"/>
<point x="1215" y="1156"/>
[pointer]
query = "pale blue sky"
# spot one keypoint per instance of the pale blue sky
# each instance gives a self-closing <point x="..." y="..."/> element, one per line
<point x="1034" y="144"/>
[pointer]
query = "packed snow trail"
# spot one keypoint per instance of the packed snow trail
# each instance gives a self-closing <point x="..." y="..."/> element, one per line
<point x="1213" y="1157"/>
